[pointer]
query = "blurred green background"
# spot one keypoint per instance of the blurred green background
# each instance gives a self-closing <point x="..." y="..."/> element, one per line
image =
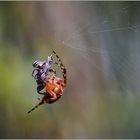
<point x="98" y="42"/>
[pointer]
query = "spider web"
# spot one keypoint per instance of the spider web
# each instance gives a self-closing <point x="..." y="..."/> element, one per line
<point x="94" y="38"/>
<point x="67" y="41"/>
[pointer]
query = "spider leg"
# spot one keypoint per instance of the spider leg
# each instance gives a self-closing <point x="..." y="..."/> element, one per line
<point x="50" y="99"/>
<point x="42" y="102"/>
<point x="63" y="69"/>
<point x="42" y="93"/>
<point x="39" y="91"/>
<point x="53" y="99"/>
<point x="52" y="70"/>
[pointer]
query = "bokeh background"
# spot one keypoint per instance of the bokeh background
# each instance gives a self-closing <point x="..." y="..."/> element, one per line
<point x="98" y="42"/>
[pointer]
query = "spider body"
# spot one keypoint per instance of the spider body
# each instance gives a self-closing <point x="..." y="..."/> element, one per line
<point x="54" y="86"/>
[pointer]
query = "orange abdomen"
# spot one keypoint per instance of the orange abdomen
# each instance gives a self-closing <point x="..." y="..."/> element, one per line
<point x="52" y="87"/>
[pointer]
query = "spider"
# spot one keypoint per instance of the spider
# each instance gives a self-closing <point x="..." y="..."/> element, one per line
<point x="54" y="86"/>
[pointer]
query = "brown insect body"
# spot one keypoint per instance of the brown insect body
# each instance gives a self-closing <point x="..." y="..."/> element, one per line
<point x="54" y="86"/>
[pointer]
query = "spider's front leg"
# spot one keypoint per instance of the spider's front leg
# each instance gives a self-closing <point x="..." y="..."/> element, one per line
<point x="52" y="70"/>
<point x="40" y="103"/>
